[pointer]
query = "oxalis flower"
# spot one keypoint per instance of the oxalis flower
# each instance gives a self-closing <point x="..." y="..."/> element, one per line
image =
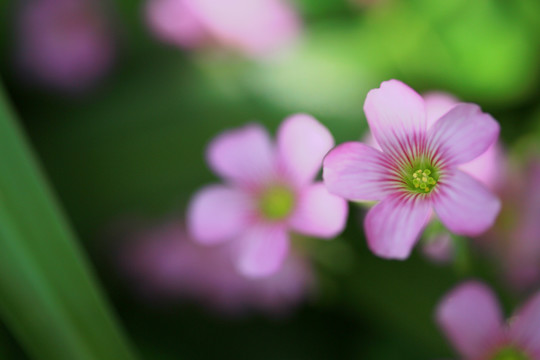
<point x="416" y="171"/>
<point x="473" y="322"/>
<point x="269" y="191"/>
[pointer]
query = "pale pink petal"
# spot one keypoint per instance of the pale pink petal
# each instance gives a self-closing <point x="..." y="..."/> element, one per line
<point x="218" y="213"/>
<point x="357" y="172"/>
<point x="261" y="250"/>
<point x="471" y="319"/>
<point x="255" y="27"/>
<point x="463" y="134"/>
<point x="302" y="144"/>
<point x="397" y="119"/>
<point x="319" y="213"/>
<point x="244" y="156"/>
<point x="394" y="225"/>
<point x="525" y="327"/>
<point x="437" y="104"/>
<point x="464" y="205"/>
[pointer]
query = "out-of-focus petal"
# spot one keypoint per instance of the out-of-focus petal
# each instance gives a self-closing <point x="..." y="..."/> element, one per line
<point x="463" y="134"/>
<point x="218" y="213"/>
<point x="437" y="104"/>
<point x="397" y="119"/>
<point x="255" y="27"/>
<point x="302" y="144"/>
<point x="244" y="156"/>
<point x="261" y="250"/>
<point x="464" y="205"/>
<point x="319" y="213"/>
<point x="471" y="319"/>
<point x="439" y="248"/>
<point x="486" y="168"/>
<point x="525" y="327"/>
<point x="394" y="225"/>
<point x="67" y="44"/>
<point x="174" y="22"/>
<point x="358" y="172"/>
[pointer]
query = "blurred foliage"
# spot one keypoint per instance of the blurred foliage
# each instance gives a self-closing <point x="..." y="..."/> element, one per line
<point x="135" y="145"/>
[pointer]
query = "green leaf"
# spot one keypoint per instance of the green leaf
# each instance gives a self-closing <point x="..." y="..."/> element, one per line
<point x="49" y="298"/>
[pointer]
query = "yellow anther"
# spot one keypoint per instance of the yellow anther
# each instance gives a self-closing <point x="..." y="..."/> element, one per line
<point x="422" y="180"/>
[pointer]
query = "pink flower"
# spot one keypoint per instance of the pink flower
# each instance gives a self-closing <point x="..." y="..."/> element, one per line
<point x="417" y="170"/>
<point x="472" y="320"/>
<point x="64" y="43"/>
<point x="269" y="190"/>
<point x="164" y="264"/>
<point x="254" y="27"/>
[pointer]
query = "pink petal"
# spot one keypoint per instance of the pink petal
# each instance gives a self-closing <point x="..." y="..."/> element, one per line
<point x="261" y="250"/>
<point x="218" y="213"/>
<point x="244" y="156"/>
<point x="302" y="144"/>
<point x="397" y="119"/>
<point x="357" y="172"/>
<point x="319" y="213"/>
<point x="394" y="225"/>
<point x="437" y="104"/>
<point x="464" y="133"/>
<point x="464" y="205"/>
<point x="471" y="319"/>
<point x="525" y="328"/>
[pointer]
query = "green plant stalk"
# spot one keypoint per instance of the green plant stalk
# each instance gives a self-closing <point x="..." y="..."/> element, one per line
<point x="49" y="297"/>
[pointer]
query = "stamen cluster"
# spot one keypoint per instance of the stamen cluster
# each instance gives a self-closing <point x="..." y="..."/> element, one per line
<point x="423" y="180"/>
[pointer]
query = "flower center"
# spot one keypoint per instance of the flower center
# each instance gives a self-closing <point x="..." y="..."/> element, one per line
<point x="510" y="353"/>
<point x="276" y="203"/>
<point x="423" y="181"/>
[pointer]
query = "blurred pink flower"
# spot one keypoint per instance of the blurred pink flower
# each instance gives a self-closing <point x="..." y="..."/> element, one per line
<point x="472" y="320"/>
<point x="417" y="170"/>
<point x="254" y="27"/>
<point x="164" y="263"/>
<point x="64" y="43"/>
<point x="439" y="248"/>
<point x="515" y="239"/>
<point x="269" y="190"/>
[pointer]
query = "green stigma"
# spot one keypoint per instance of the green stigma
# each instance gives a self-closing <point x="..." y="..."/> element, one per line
<point x="276" y="203"/>
<point x="510" y="353"/>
